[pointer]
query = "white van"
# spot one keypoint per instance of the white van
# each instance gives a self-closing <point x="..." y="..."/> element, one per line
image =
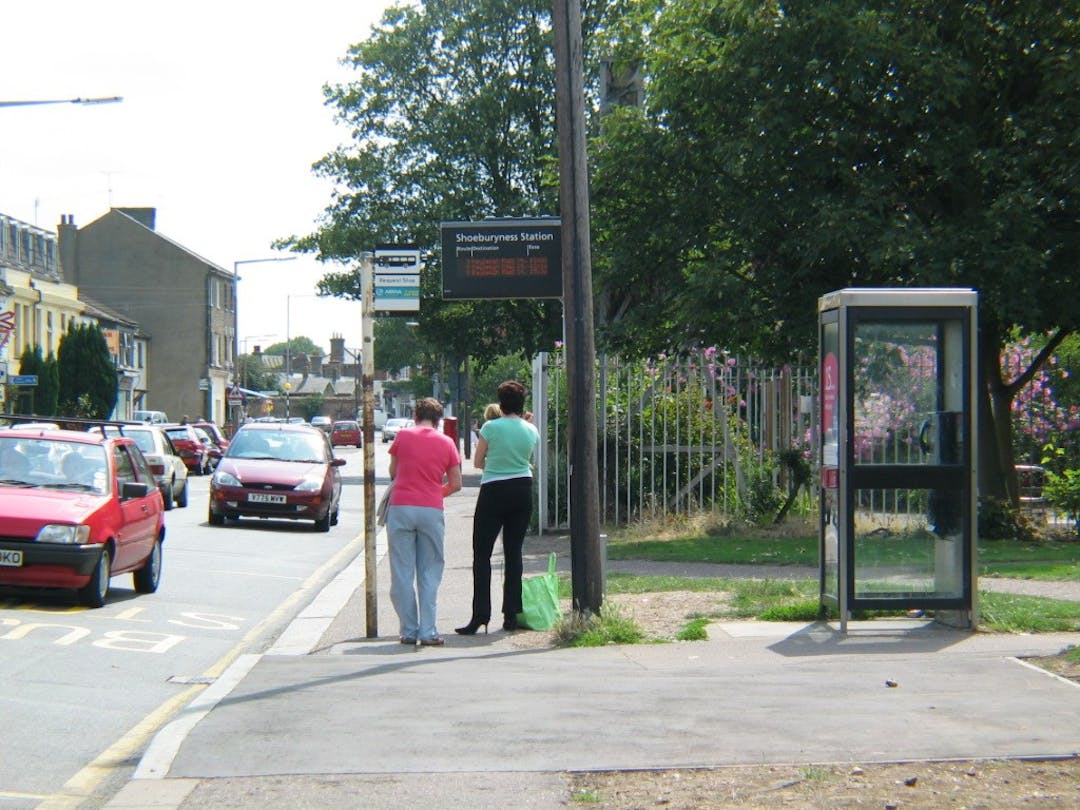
<point x="153" y="417"/>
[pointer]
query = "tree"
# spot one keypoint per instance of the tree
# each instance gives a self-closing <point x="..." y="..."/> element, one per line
<point x="296" y="346"/>
<point x="452" y="118"/>
<point x="88" y="385"/>
<point x="799" y="148"/>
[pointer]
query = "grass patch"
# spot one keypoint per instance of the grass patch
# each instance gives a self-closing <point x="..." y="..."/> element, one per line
<point x="612" y="626"/>
<point x="802" y="550"/>
<point x="585" y="797"/>
<point x="1014" y="613"/>
<point x="694" y="630"/>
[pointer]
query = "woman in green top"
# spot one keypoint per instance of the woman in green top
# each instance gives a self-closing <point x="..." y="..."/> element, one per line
<point x="504" y="452"/>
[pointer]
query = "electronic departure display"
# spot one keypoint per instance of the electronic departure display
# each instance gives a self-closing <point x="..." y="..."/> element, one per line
<point x="502" y="258"/>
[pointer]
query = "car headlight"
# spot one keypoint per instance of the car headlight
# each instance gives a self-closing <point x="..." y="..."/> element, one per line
<point x="225" y="479"/>
<point x="60" y="533"/>
<point x="312" y="483"/>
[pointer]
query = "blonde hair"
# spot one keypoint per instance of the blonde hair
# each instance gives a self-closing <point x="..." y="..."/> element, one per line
<point x="492" y="411"/>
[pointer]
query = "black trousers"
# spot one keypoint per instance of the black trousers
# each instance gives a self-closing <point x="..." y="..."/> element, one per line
<point x="504" y="506"/>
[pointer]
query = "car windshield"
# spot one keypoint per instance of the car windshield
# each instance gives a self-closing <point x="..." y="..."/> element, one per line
<point x="53" y="464"/>
<point x="280" y="445"/>
<point x="143" y="439"/>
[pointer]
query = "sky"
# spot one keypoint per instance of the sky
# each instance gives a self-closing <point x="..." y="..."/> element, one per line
<point x="221" y="119"/>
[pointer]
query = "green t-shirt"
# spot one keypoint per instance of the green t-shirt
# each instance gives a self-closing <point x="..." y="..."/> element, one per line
<point x="511" y="441"/>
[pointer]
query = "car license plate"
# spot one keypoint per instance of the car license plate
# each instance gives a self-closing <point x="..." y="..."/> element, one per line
<point x="11" y="558"/>
<point x="259" y="497"/>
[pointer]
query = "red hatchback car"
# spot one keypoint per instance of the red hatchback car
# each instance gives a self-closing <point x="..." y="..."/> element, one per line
<point x="77" y="509"/>
<point x="189" y="447"/>
<point x="277" y="470"/>
<point x="346" y="432"/>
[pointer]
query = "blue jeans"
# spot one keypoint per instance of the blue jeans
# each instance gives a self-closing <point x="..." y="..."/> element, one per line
<point x="415" y="536"/>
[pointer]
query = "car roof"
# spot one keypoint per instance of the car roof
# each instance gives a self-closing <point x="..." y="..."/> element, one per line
<point x="58" y="435"/>
<point x="295" y="427"/>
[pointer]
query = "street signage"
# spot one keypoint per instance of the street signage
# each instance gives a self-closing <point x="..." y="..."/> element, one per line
<point x="23" y="379"/>
<point x="502" y="258"/>
<point x="397" y="279"/>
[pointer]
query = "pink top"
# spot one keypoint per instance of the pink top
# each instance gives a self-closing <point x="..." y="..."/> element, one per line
<point x="424" y="455"/>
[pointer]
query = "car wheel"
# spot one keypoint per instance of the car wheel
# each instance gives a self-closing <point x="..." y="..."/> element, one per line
<point x="147" y="578"/>
<point x="181" y="499"/>
<point x="323" y="523"/>
<point x="216" y="520"/>
<point x="334" y="518"/>
<point x="93" y="593"/>
<point x="167" y="496"/>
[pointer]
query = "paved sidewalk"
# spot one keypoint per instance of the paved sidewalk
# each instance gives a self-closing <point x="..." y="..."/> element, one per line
<point x="329" y="718"/>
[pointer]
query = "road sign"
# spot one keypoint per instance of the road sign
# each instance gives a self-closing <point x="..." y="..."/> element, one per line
<point x="502" y="258"/>
<point x="23" y="379"/>
<point x="235" y="395"/>
<point x="397" y="279"/>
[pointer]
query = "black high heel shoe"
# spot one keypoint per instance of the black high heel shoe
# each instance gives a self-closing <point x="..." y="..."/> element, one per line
<point x="471" y="628"/>
<point x="510" y="623"/>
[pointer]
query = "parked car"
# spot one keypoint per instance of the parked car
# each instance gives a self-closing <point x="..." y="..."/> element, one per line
<point x="277" y="470"/>
<point x="213" y="449"/>
<point x="190" y="447"/>
<point x="169" y="470"/>
<point x="78" y="523"/>
<point x="346" y="432"/>
<point x="392" y="426"/>
<point x="323" y="423"/>
<point x="216" y="434"/>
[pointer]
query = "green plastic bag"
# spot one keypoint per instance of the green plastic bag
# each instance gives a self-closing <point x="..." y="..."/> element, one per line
<point x="540" y="599"/>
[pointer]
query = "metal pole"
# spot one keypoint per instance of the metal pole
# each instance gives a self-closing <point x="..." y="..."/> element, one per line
<point x="367" y="313"/>
<point x="586" y="551"/>
<point x="288" y="353"/>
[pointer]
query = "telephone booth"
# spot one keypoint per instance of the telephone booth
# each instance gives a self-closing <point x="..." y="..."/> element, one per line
<point x="897" y="409"/>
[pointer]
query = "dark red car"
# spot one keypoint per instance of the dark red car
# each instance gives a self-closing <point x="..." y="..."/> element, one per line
<point x="76" y="509"/>
<point x="277" y="470"/>
<point x="346" y="432"/>
<point x="217" y="436"/>
<point x="189" y="447"/>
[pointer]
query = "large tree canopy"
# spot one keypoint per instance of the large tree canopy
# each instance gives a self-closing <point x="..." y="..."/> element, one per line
<point x="452" y="118"/>
<point x="794" y="148"/>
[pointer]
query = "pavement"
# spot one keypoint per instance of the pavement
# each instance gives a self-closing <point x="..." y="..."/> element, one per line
<point x="327" y="717"/>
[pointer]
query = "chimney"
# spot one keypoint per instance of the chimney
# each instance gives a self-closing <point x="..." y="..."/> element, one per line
<point x="337" y="349"/>
<point x="67" y="237"/>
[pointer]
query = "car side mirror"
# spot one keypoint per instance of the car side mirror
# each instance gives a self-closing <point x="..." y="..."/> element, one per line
<point x="337" y="462"/>
<point x="134" y="489"/>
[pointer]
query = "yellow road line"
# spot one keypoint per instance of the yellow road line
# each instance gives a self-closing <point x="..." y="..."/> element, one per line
<point x="82" y="785"/>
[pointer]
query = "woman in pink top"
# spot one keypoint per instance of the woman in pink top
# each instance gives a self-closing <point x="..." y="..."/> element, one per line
<point x="425" y="468"/>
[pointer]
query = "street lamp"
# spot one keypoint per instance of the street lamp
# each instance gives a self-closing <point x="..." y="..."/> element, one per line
<point x="236" y="304"/>
<point x="85" y="101"/>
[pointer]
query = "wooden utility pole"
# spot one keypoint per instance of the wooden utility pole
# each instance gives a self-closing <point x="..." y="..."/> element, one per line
<point x="367" y="313"/>
<point x="586" y="553"/>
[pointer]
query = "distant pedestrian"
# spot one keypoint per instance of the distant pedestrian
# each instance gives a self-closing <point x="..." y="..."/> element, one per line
<point x="425" y="467"/>
<point x="504" y="452"/>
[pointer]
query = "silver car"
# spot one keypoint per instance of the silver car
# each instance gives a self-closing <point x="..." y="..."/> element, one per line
<point x="392" y="426"/>
<point x="170" y="471"/>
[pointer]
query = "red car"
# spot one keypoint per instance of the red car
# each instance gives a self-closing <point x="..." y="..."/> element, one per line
<point x="217" y="436"/>
<point x="344" y="433"/>
<point x="76" y="509"/>
<point x="277" y="470"/>
<point x="189" y="447"/>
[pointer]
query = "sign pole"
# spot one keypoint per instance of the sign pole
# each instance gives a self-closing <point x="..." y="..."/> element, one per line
<point x="367" y="313"/>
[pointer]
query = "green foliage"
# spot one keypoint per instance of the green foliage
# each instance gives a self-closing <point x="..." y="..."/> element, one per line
<point x="256" y="377"/>
<point x="738" y="549"/>
<point x="88" y="384"/>
<point x="807" y="611"/>
<point x="42" y="398"/>
<point x="694" y="630"/>
<point x="1062" y="490"/>
<point x="612" y="626"/>
<point x="1013" y="613"/>
<point x="296" y="346"/>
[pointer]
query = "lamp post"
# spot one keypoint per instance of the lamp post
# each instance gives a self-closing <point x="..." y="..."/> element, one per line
<point x="236" y="306"/>
<point x="83" y="101"/>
